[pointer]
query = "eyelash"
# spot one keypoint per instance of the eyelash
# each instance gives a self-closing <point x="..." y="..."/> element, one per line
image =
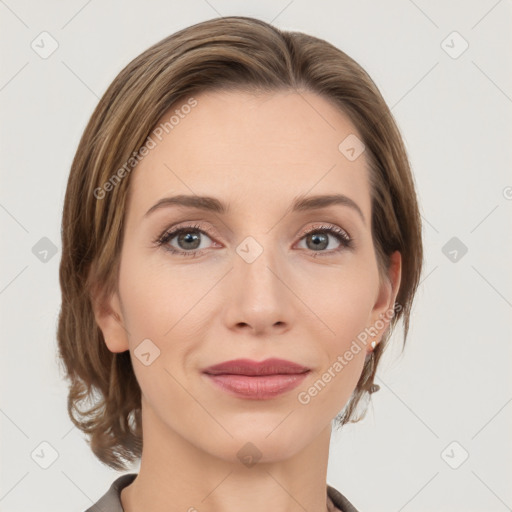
<point x="340" y="234"/>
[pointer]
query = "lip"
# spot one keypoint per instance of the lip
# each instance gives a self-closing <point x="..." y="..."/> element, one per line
<point x="257" y="380"/>
<point x="272" y="366"/>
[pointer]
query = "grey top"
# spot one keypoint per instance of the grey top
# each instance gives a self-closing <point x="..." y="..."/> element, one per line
<point x="111" y="500"/>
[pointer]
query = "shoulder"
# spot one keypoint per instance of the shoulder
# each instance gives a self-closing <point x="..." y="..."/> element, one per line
<point x="339" y="500"/>
<point x="111" y="500"/>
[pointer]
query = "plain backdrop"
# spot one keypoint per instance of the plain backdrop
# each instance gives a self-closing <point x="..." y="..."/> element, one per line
<point x="437" y="435"/>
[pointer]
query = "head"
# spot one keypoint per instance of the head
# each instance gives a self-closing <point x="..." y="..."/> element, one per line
<point x="261" y="120"/>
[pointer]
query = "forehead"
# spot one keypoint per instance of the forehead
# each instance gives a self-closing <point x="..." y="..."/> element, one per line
<point x="262" y="149"/>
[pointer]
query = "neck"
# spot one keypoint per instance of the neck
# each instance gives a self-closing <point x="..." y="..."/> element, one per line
<point x="177" y="475"/>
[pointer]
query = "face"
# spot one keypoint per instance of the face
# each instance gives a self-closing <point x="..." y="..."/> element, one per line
<point x="255" y="279"/>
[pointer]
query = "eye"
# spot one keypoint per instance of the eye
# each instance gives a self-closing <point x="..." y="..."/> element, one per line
<point x="317" y="239"/>
<point x="188" y="239"/>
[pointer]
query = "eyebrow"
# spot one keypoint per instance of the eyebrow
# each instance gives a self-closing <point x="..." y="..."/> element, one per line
<point x="299" y="204"/>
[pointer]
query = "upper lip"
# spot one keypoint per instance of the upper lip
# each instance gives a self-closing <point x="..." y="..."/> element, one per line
<point x="271" y="366"/>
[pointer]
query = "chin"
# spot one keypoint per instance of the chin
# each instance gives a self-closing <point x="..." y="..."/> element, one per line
<point x="255" y="450"/>
<point x="271" y="442"/>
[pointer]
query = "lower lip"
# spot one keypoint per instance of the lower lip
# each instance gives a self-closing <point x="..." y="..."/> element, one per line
<point x="257" y="388"/>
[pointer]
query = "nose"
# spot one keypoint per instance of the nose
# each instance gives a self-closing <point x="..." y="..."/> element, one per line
<point x="260" y="300"/>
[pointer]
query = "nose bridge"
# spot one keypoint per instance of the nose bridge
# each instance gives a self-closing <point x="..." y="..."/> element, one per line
<point x="256" y="264"/>
<point x="259" y="297"/>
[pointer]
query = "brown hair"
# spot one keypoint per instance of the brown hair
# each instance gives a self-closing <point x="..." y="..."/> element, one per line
<point x="237" y="53"/>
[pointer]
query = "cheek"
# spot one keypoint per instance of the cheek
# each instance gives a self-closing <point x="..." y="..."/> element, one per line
<point x="155" y="297"/>
<point x="343" y="298"/>
<point x="344" y="309"/>
<point x="164" y="306"/>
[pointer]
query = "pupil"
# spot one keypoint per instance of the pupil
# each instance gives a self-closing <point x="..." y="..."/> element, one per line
<point x="317" y="240"/>
<point x="189" y="238"/>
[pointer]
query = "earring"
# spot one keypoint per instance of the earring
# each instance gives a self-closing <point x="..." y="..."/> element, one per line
<point x="374" y="387"/>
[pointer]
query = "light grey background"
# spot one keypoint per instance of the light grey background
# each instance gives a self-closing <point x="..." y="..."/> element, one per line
<point x="452" y="384"/>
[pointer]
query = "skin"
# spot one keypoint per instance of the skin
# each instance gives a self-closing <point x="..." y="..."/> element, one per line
<point x="257" y="153"/>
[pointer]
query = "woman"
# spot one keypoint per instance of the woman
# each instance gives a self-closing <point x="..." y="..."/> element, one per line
<point x="240" y="237"/>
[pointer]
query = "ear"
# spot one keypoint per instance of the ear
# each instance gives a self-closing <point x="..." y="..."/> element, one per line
<point x="109" y="317"/>
<point x="383" y="309"/>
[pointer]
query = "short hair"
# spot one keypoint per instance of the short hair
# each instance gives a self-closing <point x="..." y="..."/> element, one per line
<point x="232" y="53"/>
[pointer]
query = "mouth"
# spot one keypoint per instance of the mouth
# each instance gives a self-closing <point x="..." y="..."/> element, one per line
<point x="256" y="380"/>
<point x="248" y="367"/>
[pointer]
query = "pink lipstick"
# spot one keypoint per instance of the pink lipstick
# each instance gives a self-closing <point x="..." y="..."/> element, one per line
<point x="257" y="380"/>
